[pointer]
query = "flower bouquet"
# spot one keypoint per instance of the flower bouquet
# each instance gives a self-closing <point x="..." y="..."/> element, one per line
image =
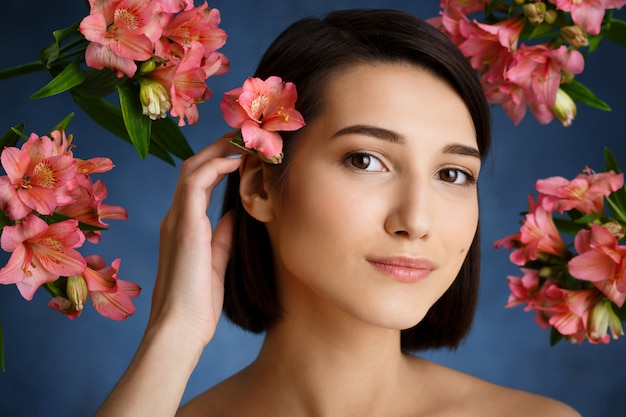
<point x="157" y="55"/>
<point x="528" y="52"/>
<point x="49" y="206"/>
<point x="578" y="288"/>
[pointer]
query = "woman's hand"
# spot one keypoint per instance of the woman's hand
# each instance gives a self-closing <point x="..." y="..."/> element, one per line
<point x="188" y="293"/>
<point x="189" y="288"/>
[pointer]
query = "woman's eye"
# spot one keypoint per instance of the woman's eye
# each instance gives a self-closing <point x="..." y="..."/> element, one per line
<point x="456" y="176"/>
<point x="366" y="162"/>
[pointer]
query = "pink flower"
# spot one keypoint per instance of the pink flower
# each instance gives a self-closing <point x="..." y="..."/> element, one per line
<point x="537" y="70"/>
<point x="175" y="6"/>
<point x="571" y="317"/>
<point x="490" y="47"/>
<point x="538" y="235"/>
<point x="120" y="33"/>
<point x="184" y="76"/>
<point x="197" y="24"/>
<point x="111" y="297"/>
<point x="584" y="193"/>
<point x="35" y="178"/>
<point x="602" y="261"/>
<point x="41" y="253"/>
<point x="260" y="109"/>
<point x="588" y="13"/>
<point x="88" y="207"/>
<point x="510" y="96"/>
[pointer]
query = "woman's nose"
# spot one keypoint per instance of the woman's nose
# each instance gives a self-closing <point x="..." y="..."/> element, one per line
<point x="410" y="211"/>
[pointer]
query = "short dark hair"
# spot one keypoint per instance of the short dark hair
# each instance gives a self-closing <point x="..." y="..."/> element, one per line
<point x="308" y="53"/>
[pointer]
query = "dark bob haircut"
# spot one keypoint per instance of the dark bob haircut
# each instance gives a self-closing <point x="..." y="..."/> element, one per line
<point x="309" y="53"/>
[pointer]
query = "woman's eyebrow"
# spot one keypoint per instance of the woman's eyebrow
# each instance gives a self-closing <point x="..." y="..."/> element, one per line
<point x="458" y="149"/>
<point x="394" y="137"/>
<point x="373" y="131"/>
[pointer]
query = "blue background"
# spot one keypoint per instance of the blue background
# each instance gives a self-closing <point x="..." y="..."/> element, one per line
<point x="58" y="367"/>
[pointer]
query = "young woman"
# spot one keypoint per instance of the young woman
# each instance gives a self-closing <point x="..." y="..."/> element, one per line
<point x="361" y="246"/>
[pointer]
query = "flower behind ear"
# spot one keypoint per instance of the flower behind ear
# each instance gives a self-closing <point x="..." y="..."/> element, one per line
<point x="260" y="109"/>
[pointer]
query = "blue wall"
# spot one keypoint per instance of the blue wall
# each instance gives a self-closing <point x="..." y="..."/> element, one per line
<point x="66" y="368"/>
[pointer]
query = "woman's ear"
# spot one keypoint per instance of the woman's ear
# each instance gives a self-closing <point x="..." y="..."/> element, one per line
<point x="253" y="188"/>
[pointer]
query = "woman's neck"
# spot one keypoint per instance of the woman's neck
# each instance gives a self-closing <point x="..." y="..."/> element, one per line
<point x="328" y="367"/>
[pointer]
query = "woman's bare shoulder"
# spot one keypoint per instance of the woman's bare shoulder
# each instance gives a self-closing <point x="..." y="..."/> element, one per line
<point x="471" y="396"/>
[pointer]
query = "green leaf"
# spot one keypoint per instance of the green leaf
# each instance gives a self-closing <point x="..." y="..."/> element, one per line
<point x="567" y="226"/>
<point x="578" y="92"/>
<point x="50" y="53"/>
<point x="617" y="199"/>
<point x="616" y="32"/>
<point x="63" y="124"/>
<point x="492" y="6"/>
<point x="20" y="132"/>
<point x="542" y="30"/>
<point x="110" y="117"/>
<point x="555" y="336"/>
<point x="137" y="124"/>
<point x="99" y="83"/>
<point x="58" y="217"/>
<point x="168" y="135"/>
<point x="594" y="42"/>
<point x="70" y="77"/>
<point x="10" y="138"/>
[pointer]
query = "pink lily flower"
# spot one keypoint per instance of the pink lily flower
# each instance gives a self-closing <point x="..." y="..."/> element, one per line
<point x="184" y="77"/>
<point x="197" y="24"/>
<point x="260" y="109"/>
<point x="464" y="6"/>
<point x="449" y="22"/>
<point x="524" y="289"/>
<point x="35" y="178"/>
<point x="509" y="95"/>
<point x="88" y="207"/>
<point x="588" y="13"/>
<point x="111" y="297"/>
<point x="41" y="253"/>
<point x="584" y="193"/>
<point x="175" y="6"/>
<point x="540" y="234"/>
<point x="120" y="33"/>
<point x="571" y="318"/>
<point x="537" y="70"/>
<point x="602" y="261"/>
<point x="490" y="47"/>
<point x="64" y="306"/>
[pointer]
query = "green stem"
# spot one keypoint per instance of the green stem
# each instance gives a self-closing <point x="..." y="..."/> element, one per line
<point x="22" y="70"/>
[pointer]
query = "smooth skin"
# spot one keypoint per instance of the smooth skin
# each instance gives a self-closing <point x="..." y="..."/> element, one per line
<point x="375" y="218"/>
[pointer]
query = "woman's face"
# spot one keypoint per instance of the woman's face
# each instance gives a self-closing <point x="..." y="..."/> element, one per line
<point x="379" y="206"/>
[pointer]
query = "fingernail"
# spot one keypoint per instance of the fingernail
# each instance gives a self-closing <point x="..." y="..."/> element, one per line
<point x="234" y="156"/>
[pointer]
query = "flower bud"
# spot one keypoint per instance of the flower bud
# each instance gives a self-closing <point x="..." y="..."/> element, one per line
<point x="564" y="108"/>
<point x="575" y="35"/>
<point x="146" y="67"/>
<point x="77" y="291"/>
<point x="603" y="318"/>
<point x="545" y="272"/>
<point x="155" y="99"/>
<point x="534" y="12"/>
<point x="550" y="16"/>
<point x="566" y="77"/>
<point x="615" y="228"/>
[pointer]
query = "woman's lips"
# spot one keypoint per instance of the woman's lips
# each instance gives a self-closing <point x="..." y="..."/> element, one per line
<point x="404" y="269"/>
